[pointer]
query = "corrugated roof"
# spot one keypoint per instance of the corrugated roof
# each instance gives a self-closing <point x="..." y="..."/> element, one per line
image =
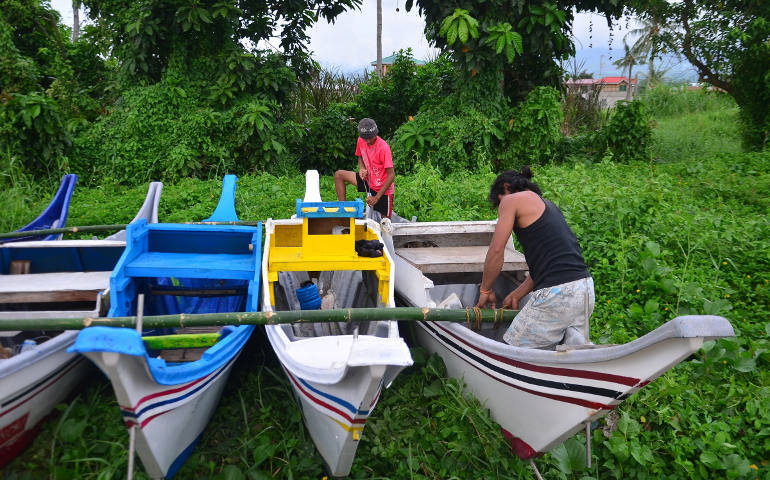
<point x="617" y="80"/>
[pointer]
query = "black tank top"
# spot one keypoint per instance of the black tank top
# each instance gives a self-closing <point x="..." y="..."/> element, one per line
<point x="551" y="249"/>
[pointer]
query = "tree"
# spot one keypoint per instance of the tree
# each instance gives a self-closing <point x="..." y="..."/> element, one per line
<point x="729" y="47"/>
<point x="648" y="43"/>
<point x="207" y="39"/>
<point x="543" y="28"/>
<point x="629" y="59"/>
<point x="75" y="20"/>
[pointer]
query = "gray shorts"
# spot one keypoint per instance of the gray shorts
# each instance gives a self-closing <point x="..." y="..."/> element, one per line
<point x="550" y="311"/>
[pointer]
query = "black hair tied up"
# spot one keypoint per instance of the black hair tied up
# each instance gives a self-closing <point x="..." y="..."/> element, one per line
<point x="515" y="181"/>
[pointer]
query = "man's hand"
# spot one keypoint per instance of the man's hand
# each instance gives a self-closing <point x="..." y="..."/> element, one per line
<point x="487" y="298"/>
<point x="362" y="173"/>
<point x="511" y="301"/>
<point x="372" y="200"/>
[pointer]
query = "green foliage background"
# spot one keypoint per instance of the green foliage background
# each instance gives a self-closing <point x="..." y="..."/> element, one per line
<point x="680" y="235"/>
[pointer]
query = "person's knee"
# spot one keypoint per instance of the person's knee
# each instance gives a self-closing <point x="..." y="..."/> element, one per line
<point x="339" y="174"/>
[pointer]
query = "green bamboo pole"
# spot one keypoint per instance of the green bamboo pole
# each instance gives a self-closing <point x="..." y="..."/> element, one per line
<point x="103" y="228"/>
<point x="52" y="231"/>
<point x="471" y="316"/>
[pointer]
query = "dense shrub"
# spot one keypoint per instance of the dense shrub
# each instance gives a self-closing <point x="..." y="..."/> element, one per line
<point x="452" y="143"/>
<point x="461" y="136"/>
<point x="534" y="129"/>
<point x="164" y="132"/>
<point x="47" y="87"/>
<point x="628" y="133"/>
<point x="403" y="91"/>
<point x="329" y="140"/>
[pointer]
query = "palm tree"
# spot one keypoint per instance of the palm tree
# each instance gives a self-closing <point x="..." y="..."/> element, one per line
<point x="629" y="60"/>
<point x="75" y="20"/>
<point x="645" y="46"/>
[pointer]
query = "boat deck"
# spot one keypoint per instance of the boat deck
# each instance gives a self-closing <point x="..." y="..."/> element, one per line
<point x="458" y="258"/>
<point x="53" y="287"/>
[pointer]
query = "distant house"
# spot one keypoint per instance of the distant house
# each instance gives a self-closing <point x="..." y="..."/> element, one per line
<point x="611" y="89"/>
<point x="388" y="62"/>
<point x="607" y="84"/>
<point x="617" y="84"/>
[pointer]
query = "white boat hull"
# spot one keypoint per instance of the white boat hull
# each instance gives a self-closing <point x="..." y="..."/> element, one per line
<point x="169" y="404"/>
<point x="337" y="379"/>
<point x="31" y="384"/>
<point x="539" y="404"/>
<point x="169" y="418"/>
<point x="539" y="397"/>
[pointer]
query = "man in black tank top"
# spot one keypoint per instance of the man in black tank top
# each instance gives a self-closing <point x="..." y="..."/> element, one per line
<point x="562" y="288"/>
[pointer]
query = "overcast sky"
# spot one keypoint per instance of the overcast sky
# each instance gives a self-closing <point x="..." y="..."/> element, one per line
<point x="350" y="45"/>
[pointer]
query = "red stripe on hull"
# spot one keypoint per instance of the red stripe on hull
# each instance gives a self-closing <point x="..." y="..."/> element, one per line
<point x="567" y="372"/>
<point x="520" y="447"/>
<point x="164" y="392"/>
<point x="560" y="398"/>
<point x="14" y="446"/>
<point x="324" y="404"/>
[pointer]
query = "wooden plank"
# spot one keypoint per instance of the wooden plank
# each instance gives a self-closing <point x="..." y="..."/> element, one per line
<point x="458" y="259"/>
<point x="51" y="282"/>
<point x="443" y="228"/>
<point x="182" y="355"/>
<point x="19" y="267"/>
<point x="50" y="297"/>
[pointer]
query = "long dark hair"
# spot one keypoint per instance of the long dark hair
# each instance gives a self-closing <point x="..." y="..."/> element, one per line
<point x="516" y="182"/>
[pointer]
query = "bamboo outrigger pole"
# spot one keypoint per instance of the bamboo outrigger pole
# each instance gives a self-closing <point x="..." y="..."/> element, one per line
<point x="474" y="317"/>
<point x="53" y="231"/>
<point x="102" y="228"/>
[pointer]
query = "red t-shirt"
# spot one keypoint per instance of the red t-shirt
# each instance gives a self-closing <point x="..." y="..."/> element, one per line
<point x="376" y="159"/>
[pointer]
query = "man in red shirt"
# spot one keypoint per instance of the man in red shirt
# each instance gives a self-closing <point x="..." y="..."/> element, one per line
<point x="375" y="170"/>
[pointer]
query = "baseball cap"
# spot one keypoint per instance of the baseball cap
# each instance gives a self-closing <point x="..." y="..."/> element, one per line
<point x="367" y="128"/>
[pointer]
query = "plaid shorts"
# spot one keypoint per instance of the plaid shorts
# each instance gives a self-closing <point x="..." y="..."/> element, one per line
<point x="550" y="311"/>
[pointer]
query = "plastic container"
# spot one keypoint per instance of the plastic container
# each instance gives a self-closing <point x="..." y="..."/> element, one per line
<point x="309" y="298"/>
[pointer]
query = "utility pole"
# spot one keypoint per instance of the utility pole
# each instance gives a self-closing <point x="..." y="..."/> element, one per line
<point x="601" y="65"/>
<point x="379" y="38"/>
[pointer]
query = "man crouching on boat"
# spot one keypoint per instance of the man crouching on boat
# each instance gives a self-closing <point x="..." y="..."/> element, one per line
<point x="375" y="170"/>
<point x="562" y="288"/>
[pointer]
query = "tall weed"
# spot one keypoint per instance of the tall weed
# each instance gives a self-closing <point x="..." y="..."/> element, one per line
<point x="668" y="101"/>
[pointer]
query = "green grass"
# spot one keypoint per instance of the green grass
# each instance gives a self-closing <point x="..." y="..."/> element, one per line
<point x="698" y="136"/>
<point x="685" y="234"/>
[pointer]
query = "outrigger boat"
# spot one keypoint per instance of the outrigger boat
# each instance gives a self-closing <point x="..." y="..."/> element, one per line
<point x="49" y="279"/>
<point x="54" y="215"/>
<point x="337" y="371"/>
<point x="168" y="383"/>
<point x="539" y="397"/>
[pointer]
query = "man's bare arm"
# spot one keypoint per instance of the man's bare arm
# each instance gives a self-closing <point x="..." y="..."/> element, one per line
<point x="506" y="217"/>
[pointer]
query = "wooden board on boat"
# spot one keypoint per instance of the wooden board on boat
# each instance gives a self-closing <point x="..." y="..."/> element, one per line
<point x="53" y="287"/>
<point x="458" y="259"/>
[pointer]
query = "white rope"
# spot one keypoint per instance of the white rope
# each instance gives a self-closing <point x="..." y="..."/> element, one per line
<point x="534" y="467"/>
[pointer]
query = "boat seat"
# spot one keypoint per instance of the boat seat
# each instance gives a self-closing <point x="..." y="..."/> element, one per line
<point x="53" y="287"/>
<point x="458" y="259"/>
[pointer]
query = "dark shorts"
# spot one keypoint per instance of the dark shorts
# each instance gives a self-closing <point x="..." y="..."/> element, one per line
<point x="384" y="205"/>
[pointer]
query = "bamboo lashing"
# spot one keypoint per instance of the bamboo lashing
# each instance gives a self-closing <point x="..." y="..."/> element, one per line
<point x="267" y="318"/>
